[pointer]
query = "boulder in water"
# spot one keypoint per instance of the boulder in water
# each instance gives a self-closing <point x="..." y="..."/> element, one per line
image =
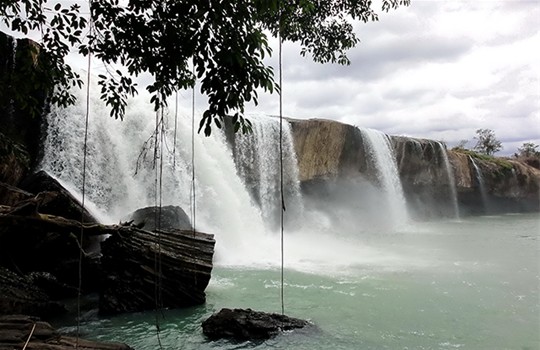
<point x="170" y="218"/>
<point x="144" y="270"/>
<point x="246" y="324"/>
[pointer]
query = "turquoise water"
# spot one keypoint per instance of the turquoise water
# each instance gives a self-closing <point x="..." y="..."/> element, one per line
<point x="472" y="284"/>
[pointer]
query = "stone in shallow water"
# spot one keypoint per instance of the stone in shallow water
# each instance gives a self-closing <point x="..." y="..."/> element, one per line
<point x="246" y="324"/>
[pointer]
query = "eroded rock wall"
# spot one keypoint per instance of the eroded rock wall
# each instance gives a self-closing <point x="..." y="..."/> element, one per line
<point x="330" y="152"/>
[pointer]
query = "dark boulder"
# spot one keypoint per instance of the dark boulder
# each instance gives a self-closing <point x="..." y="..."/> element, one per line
<point x="14" y="161"/>
<point x="144" y="270"/>
<point x="18" y="295"/>
<point x="246" y="324"/>
<point x="15" y="330"/>
<point x="169" y="217"/>
<point x="10" y="195"/>
<point x="31" y="241"/>
<point x="65" y="204"/>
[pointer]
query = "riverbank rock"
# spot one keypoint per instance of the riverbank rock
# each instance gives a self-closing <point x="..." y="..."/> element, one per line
<point x="170" y="218"/>
<point x="15" y="330"/>
<point x="246" y="324"/>
<point x="35" y="242"/>
<point x="64" y="204"/>
<point x="18" y="295"/>
<point x="144" y="270"/>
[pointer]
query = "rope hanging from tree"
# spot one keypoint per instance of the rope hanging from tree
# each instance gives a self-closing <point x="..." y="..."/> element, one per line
<point x="282" y="208"/>
<point x="83" y="190"/>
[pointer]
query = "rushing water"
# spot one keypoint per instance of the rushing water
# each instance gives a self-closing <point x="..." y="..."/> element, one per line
<point x="451" y="179"/>
<point x="384" y="161"/>
<point x="472" y="284"/>
<point x="481" y="184"/>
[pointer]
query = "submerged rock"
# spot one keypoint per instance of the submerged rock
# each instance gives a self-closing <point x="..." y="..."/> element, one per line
<point x="246" y="324"/>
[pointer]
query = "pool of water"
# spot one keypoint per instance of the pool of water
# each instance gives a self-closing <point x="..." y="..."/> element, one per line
<point x="468" y="284"/>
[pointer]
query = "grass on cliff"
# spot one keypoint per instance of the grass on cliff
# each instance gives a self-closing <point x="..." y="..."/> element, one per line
<point x="502" y="162"/>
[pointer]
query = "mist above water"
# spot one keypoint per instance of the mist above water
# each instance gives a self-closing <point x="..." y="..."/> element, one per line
<point x="238" y="203"/>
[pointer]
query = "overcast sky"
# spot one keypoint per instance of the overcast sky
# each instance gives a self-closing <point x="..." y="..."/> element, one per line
<point x="436" y="69"/>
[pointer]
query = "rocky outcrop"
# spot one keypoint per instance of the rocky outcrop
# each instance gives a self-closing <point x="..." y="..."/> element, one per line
<point x="19" y="295"/>
<point x="495" y="185"/>
<point x="63" y="204"/>
<point x="332" y="155"/>
<point x="168" y="217"/>
<point x="24" y="332"/>
<point x="35" y="242"/>
<point x="327" y="149"/>
<point x="246" y="324"/>
<point x="22" y="100"/>
<point x="147" y="270"/>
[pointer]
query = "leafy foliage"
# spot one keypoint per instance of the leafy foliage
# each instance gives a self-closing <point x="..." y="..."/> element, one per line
<point x="221" y="43"/>
<point x="528" y="149"/>
<point x="59" y="32"/>
<point x="487" y="143"/>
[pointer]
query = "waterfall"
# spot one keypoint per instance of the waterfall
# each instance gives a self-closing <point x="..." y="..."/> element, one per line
<point x="378" y="146"/>
<point x="481" y="185"/>
<point x="121" y="178"/>
<point x="258" y="161"/>
<point x="451" y="180"/>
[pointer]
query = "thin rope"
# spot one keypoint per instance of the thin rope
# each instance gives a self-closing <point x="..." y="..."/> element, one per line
<point x="193" y="193"/>
<point x="175" y="128"/>
<point x="157" y="221"/>
<point x="282" y="211"/>
<point x="85" y="148"/>
<point x="30" y="336"/>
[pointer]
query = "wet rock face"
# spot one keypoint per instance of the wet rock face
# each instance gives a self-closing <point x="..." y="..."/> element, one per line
<point x="246" y="324"/>
<point x="327" y="149"/>
<point x="22" y="71"/>
<point x="330" y="152"/>
<point x="137" y="264"/>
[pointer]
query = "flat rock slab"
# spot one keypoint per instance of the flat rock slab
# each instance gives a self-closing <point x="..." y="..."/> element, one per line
<point x="246" y="324"/>
<point x="15" y="330"/>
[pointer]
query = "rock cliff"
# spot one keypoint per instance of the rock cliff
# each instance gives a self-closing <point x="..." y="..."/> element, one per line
<point x="329" y="151"/>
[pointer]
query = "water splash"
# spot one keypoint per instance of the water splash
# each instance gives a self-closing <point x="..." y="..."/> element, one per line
<point x="378" y="146"/>
<point x="117" y="186"/>
<point x="451" y="179"/>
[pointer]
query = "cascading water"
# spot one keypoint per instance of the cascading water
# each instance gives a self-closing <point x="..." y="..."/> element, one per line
<point x="117" y="183"/>
<point x="451" y="180"/>
<point x="258" y="161"/>
<point x="481" y="185"/>
<point x="378" y="145"/>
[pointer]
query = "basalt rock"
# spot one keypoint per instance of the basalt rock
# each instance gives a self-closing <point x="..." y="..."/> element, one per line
<point x="18" y="295"/>
<point x="168" y="217"/>
<point x="63" y="204"/>
<point x="144" y="270"/>
<point x="490" y="185"/>
<point x="23" y="76"/>
<point x="16" y="330"/>
<point x="14" y="161"/>
<point x="332" y="154"/>
<point x="246" y="324"/>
